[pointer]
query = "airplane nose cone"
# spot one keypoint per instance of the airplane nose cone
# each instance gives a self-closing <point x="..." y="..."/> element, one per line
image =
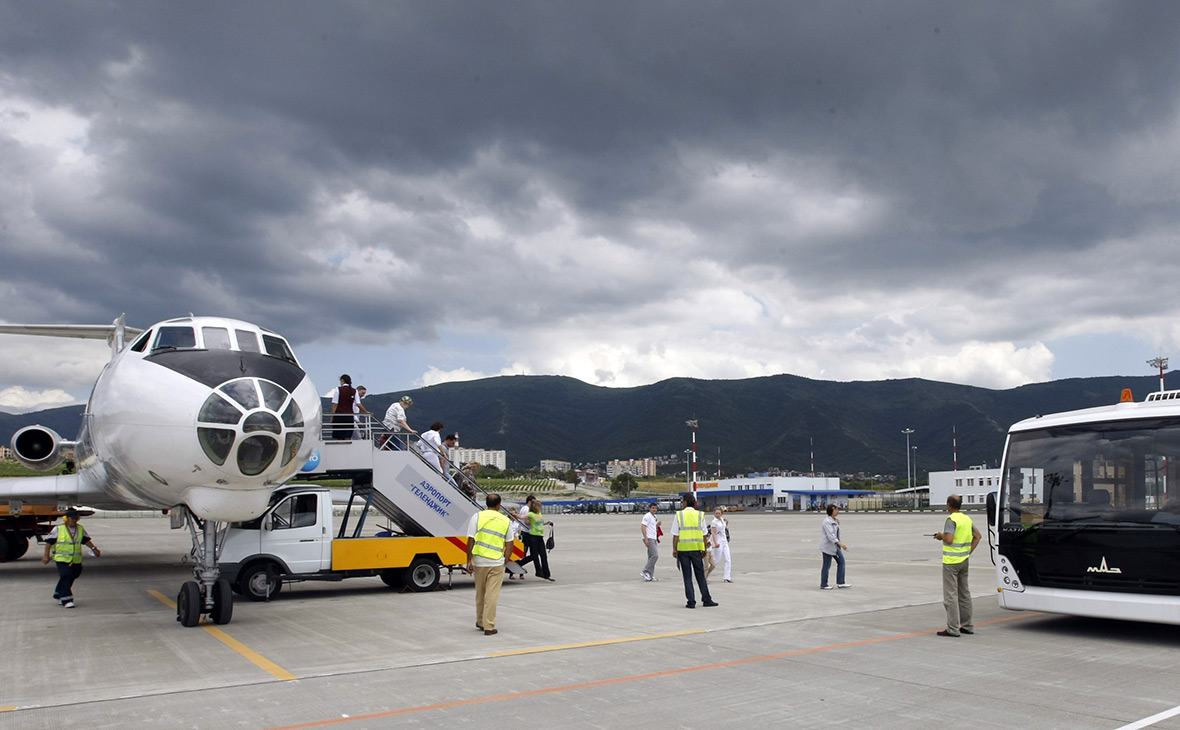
<point x="246" y="424"/>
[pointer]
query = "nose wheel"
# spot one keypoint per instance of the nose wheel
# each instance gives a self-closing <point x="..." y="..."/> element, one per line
<point x="191" y="605"/>
<point x="210" y="594"/>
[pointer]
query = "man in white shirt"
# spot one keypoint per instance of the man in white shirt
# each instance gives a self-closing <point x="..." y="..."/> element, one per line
<point x="431" y="447"/>
<point x="650" y="529"/>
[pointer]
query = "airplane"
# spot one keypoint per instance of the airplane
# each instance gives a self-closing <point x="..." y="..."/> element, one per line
<point x="201" y="416"/>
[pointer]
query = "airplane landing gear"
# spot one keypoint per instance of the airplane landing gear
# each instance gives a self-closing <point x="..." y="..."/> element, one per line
<point x="209" y="594"/>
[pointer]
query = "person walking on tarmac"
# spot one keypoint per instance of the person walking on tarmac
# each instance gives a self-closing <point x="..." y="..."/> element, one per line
<point x="487" y="549"/>
<point x="535" y="540"/>
<point x="66" y="547"/>
<point x="688" y="549"/>
<point x="959" y="538"/>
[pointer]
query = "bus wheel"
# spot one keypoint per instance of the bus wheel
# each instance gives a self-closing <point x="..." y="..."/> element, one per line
<point x="423" y="575"/>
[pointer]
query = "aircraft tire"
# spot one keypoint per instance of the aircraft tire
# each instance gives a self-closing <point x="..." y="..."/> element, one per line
<point x="422" y="575"/>
<point x="223" y="602"/>
<point x="188" y="604"/>
<point x="254" y="582"/>
<point x="18" y="545"/>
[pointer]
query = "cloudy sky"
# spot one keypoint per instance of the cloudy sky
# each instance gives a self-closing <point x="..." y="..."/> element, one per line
<point x="622" y="192"/>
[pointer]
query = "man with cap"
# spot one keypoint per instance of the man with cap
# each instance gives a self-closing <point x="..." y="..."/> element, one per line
<point x="65" y="544"/>
<point x="395" y="419"/>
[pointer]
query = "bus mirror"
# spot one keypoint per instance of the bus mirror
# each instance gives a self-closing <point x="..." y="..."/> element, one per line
<point x="991" y="509"/>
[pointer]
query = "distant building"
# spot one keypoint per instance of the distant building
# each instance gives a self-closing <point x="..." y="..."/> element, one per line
<point x="554" y="465"/>
<point x="6" y="454"/>
<point x="634" y="467"/>
<point x="972" y="484"/>
<point x="762" y="491"/>
<point x="463" y="455"/>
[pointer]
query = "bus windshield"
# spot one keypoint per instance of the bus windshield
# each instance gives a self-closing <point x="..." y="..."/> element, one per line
<point x="1105" y="473"/>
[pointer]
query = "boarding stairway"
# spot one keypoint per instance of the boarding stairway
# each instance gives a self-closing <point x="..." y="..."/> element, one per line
<point x="388" y="471"/>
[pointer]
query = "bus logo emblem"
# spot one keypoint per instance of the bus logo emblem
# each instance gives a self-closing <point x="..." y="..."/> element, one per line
<point x="1102" y="568"/>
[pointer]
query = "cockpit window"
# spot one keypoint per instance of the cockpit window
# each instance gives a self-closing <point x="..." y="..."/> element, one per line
<point x="175" y="337"/>
<point x="247" y="341"/>
<point x="141" y="344"/>
<point x="276" y="347"/>
<point x="216" y="338"/>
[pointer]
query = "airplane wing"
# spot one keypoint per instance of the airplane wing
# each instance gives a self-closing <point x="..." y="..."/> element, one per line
<point x="76" y="331"/>
<point x="115" y="333"/>
<point x="59" y="489"/>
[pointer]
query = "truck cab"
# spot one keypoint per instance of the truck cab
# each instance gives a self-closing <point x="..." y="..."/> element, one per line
<point x="296" y="540"/>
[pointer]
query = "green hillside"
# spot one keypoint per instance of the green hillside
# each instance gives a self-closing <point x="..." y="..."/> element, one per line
<point x="756" y="423"/>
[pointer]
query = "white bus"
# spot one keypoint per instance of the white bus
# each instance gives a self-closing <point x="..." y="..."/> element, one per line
<point x="1087" y="518"/>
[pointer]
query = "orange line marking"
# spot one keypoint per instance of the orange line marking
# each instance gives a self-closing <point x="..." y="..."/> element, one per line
<point x="620" y="680"/>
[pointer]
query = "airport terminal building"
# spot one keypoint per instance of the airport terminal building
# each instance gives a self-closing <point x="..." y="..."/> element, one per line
<point x="760" y="491"/>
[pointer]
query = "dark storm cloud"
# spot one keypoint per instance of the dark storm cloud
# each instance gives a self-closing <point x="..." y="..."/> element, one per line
<point x="348" y="167"/>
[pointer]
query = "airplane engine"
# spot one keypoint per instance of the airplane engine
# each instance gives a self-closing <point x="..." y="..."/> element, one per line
<point x="40" y="448"/>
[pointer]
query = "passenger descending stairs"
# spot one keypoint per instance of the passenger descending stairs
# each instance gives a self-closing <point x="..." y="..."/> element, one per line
<point x="401" y="484"/>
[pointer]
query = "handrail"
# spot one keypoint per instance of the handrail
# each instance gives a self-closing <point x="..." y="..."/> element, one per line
<point x="383" y="438"/>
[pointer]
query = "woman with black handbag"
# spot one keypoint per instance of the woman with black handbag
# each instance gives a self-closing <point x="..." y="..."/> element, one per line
<point x="535" y="539"/>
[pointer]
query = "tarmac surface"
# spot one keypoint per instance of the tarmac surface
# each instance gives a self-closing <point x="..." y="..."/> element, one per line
<point x="598" y="648"/>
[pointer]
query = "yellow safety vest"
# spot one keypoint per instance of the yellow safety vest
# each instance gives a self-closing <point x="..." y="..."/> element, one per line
<point x="960" y="547"/>
<point x="491" y="531"/>
<point x="536" y="524"/>
<point x="67" y="549"/>
<point x="691" y="537"/>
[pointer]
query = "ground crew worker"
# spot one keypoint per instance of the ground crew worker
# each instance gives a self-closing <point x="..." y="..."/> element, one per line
<point x="688" y="549"/>
<point x="959" y="538"/>
<point x="487" y="549"/>
<point x="66" y="546"/>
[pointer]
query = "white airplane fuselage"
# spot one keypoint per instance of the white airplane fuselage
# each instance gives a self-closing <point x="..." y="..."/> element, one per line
<point x="207" y="412"/>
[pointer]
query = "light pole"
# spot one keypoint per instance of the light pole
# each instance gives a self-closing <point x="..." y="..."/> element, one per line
<point x="687" y="469"/>
<point x="907" y="433"/>
<point x="693" y="424"/>
<point x="1161" y="363"/>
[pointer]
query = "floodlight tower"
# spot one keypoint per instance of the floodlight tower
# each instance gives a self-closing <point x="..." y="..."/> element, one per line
<point x="693" y="424"/>
<point x="1161" y="363"/>
<point x="907" y="433"/>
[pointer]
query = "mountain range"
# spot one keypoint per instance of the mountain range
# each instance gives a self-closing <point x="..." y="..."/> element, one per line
<point x="755" y="424"/>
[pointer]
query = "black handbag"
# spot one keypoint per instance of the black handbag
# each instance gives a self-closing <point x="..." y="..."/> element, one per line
<point x="549" y="543"/>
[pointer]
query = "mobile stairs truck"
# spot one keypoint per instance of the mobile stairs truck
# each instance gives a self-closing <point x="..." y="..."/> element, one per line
<point x="296" y="538"/>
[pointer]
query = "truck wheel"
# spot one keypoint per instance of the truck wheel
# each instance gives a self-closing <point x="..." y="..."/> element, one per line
<point x="3" y="547"/>
<point x="223" y="602"/>
<point x="188" y="604"/>
<point x="393" y="578"/>
<point x="257" y="585"/>
<point x="422" y="575"/>
<point x="18" y="545"/>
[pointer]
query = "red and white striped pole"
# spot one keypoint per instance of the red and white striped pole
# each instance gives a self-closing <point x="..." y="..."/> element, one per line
<point x="955" y="446"/>
<point x="693" y="423"/>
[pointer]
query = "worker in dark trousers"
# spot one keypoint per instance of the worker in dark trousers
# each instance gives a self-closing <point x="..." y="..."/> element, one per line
<point x="688" y="549"/>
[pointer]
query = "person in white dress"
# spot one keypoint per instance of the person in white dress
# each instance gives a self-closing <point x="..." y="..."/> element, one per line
<point x="719" y="529"/>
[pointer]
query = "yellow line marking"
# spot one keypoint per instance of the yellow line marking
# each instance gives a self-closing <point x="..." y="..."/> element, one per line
<point x="605" y="642"/>
<point x="9" y="708"/>
<point x="257" y="659"/>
